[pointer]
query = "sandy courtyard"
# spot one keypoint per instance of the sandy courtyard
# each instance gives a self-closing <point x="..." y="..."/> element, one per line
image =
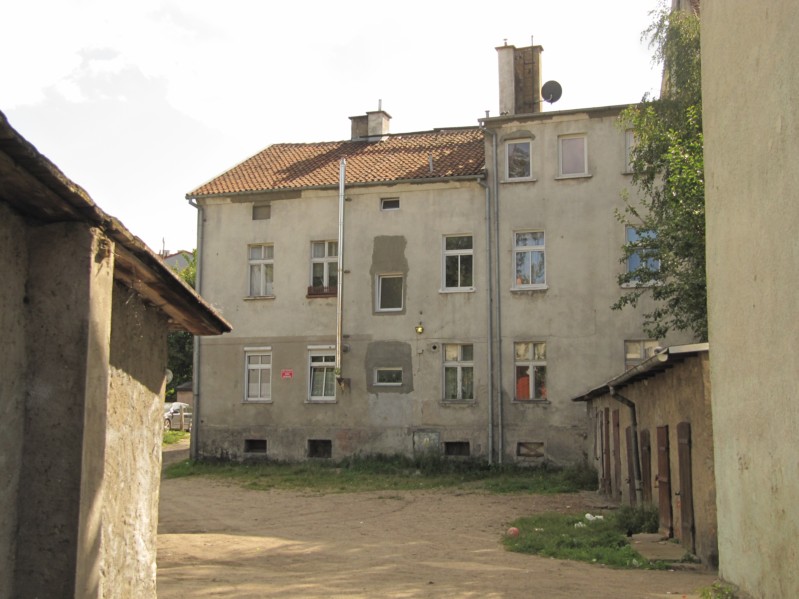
<point x="218" y="540"/>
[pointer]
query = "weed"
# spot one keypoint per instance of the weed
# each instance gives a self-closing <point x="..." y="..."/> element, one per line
<point x="632" y="520"/>
<point x="718" y="590"/>
<point x="171" y="437"/>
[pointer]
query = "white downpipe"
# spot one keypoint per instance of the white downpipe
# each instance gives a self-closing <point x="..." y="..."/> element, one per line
<point x="342" y="172"/>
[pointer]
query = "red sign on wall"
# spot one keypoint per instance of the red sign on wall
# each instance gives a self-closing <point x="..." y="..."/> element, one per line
<point x="287" y="373"/>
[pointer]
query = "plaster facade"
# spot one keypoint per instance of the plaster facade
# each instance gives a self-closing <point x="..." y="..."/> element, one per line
<point x="751" y="151"/>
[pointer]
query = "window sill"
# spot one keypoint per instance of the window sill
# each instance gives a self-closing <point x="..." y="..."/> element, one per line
<point x="633" y="285"/>
<point x="458" y="290"/>
<point x="250" y="298"/>
<point x="578" y="176"/>
<point x="532" y="402"/>
<point x="458" y="403"/>
<point x="627" y="172"/>
<point x="529" y="288"/>
<point x="257" y="401"/>
<point x="520" y="180"/>
<point x="321" y="401"/>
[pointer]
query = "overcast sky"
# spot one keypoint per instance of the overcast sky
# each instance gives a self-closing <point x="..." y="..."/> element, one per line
<point x="140" y="102"/>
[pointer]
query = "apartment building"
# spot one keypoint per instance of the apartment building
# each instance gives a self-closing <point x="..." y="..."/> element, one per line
<point x="443" y="291"/>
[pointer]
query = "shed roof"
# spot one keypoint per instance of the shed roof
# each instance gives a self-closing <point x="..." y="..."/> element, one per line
<point x="429" y="155"/>
<point x="648" y="368"/>
<point x="34" y="187"/>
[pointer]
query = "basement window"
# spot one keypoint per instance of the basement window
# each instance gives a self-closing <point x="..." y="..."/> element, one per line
<point x="254" y="445"/>
<point x="530" y="449"/>
<point x="320" y="448"/>
<point x="456" y="448"/>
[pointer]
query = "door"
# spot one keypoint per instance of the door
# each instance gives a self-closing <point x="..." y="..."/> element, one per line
<point x="646" y="467"/>
<point x="606" y="486"/>
<point x="616" y="455"/>
<point x="686" y="492"/>
<point x="628" y="434"/>
<point x="664" y="483"/>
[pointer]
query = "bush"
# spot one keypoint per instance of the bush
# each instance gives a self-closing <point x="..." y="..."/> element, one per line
<point x="632" y="520"/>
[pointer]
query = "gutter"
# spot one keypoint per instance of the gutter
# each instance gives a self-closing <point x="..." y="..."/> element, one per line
<point x="490" y="308"/>
<point x="195" y="361"/>
<point x="639" y="496"/>
<point x="340" y="271"/>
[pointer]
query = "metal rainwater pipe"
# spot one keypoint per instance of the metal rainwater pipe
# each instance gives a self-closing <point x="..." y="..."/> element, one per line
<point x="194" y="447"/>
<point x="340" y="268"/>
<point x="636" y="451"/>
<point x="490" y="309"/>
<point x="498" y="302"/>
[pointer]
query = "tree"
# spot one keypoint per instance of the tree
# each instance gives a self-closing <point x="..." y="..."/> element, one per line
<point x="667" y="257"/>
<point x="180" y="344"/>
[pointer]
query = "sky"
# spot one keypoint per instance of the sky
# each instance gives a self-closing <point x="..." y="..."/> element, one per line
<point x="140" y="102"/>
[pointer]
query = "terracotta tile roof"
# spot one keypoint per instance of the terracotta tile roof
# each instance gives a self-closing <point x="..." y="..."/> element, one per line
<point x="455" y="153"/>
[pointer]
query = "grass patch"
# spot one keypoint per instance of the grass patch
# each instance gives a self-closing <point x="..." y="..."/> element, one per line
<point x="172" y="437"/>
<point x="718" y="590"/>
<point x="632" y="520"/>
<point x="387" y="473"/>
<point x="599" y="541"/>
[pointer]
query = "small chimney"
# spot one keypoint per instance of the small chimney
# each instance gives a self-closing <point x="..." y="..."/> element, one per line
<point x="373" y="126"/>
<point x="519" y="79"/>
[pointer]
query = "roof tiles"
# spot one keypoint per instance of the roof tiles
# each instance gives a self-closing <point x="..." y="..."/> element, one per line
<point x="427" y="155"/>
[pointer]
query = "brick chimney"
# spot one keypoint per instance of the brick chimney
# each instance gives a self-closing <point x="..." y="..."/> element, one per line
<point x="519" y="79"/>
<point x="373" y="126"/>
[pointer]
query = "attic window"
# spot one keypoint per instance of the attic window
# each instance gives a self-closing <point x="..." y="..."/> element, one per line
<point x="387" y="204"/>
<point x="261" y="211"/>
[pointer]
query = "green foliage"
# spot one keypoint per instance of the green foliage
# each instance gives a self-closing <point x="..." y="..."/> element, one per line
<point x="668" y="168"/>
<point x="180" y="344"/>
<point x="598" y="541"/>
<point x="171" y="437"/>
<point x="632" y="520"/>
<point x="382" y="472"/>
<point x="718" y="590"/>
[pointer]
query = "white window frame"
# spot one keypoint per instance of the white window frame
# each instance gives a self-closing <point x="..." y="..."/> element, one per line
<point x="629" y="145"/>
<point x="533" y="362"/>
<point x="460" y="254"/>
<point x="328" y="365"/>
<point x="329" y="263"/>
<point x="531" y="249"/>
<point x="385" y="207"/>
<point x="264" y="265"/>
<point x="628" y="238"/>
<point x="259" y="369"/>
<point x="508" y="154"/>
<point x="379" y="383"/>
<point x="561" y="139"/>
<point x="643" y="348"/>
<point x="460" y="366"/>
<point x="379" y="291"/>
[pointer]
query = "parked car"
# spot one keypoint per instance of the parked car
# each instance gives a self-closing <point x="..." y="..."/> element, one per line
<point x="172" y="416"/>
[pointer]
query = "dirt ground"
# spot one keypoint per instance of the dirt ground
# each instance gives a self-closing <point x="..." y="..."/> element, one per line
<point x="218" y="540"/>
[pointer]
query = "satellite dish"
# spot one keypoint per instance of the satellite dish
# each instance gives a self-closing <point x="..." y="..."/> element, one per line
<point x="551" y="91"/>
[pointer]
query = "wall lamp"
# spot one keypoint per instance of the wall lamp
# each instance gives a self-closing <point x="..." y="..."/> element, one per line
<point x="419" y="328"/>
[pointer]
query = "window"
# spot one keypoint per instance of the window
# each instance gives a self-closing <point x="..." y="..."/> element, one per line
<point x="529" y="260"/>
<point x="458" y="371"/>
<point x="258" y="384"/>
<point x="320" y="448"/>
<point x="643" y="256"/>
<point x="629" y="146"/>
<point x="390" y="377"/>
<point x="458" y="261"/>
<point x="519" y="158"/>
<point x="324" y="268"/>
<point x="322" y="375"/>
<point x="531" y="370"/>
<point x="261" y="270"/>
<point x="254" y="445"/>
<point x="457" y="449"/>
<point x="387" y="204"/>
<point x="572" y="156"/>
<point x="261" y="211"/>
<point x="638" y="350"/>
<point x="389" y="293"/>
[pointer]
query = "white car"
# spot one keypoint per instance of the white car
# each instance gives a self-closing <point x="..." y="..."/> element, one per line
<point x="172" y="416"/>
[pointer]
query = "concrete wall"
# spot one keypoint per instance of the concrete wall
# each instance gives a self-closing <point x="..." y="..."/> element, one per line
<point x="82" y="383"/>
<point x="680" y="394"/>
<point x="750" y="61"/>
<point x="13" y="249"/>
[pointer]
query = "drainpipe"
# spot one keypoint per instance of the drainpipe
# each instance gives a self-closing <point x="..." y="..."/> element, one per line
<point x="498" y="296"/>
<point x="636" y="454"/>
<point x="195" y="363"/>
<point x="490" y="306"/>
<point x="340" y="269"/>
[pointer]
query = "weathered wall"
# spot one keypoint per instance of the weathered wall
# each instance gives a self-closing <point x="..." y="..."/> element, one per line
<point x="680" y="394"/>
<point x="751" y="153"/>
<point x="13" y="269"/>
<point x="132" y="447"/>
<point x="68" y="326"/>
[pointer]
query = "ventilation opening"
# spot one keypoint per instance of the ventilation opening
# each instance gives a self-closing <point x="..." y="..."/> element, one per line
<point x="254" y="445"/>
<point x="320" y="448"/>
<point x="456" y="448"/>
<point x="530" y="449"/>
